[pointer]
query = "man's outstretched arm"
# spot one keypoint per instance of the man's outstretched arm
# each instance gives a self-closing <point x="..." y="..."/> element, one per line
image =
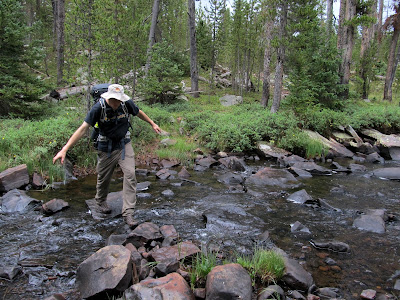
<point x="78" y="134"/>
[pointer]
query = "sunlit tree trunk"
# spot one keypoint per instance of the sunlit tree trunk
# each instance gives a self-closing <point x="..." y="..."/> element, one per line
<point x="329" y="16"/>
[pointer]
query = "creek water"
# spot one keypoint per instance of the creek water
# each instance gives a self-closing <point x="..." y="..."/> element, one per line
<point x="216" y="217"/>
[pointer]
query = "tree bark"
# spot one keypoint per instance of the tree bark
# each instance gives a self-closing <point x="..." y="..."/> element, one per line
<point x="194" y="74"/>
<point x="342" y="16"/>
<point x="329" y="17"/>
<point x="60" y="39"/>
<point x="152" y="38"/>
<point x="280" y="58"/>
<point x="267" y="59"/>
<point x="347" y="45"/>
<point x="392" y="60"/>
<point x="380" y="17"/>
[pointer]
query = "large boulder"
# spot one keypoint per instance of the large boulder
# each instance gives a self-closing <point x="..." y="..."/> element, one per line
<point x="335" y="149"/>
<point x="14" y="178"/>
<point x="172" y="286"/>
<point x="267" y="150"/>
<point x="175" y="252"/>
<point x="108" y="270"/>
<point x="388" y="173"/>
<point x="229" y="100"/>
<point x="389" y="144"/>
<point x="230" y="281"/>
<point x="16" y="201"/>
<point x="144" y="234"/>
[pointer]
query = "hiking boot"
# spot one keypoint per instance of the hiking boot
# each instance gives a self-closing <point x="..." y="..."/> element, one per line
<point x="102" y="207"/>
<point x="130" y="221"/>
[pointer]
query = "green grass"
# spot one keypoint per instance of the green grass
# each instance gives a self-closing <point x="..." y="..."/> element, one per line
<point x="202" y="264"/>
<point x="183" y="151"/>
<point x="265" y="265"/>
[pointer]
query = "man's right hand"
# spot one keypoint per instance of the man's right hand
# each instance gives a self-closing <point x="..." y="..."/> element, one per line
<point x="60" y="155"/>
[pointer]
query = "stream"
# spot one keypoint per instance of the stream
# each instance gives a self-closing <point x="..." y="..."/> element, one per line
<point x="216" y="217"/>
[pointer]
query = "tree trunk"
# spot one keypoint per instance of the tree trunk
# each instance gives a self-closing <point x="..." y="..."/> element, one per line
<point x="194" y="74"/>
<point x="267" y="60"/>
<point x="89" y="45"/>
<point x="154" y="18"/>
<point x="280" y="58"/>
<point x="347" y="46"/>
<point x="340" y="33"/>
<point x="329" y="17"/>
<point x="368" y="33"/>
<point x="380" y="17"/>
<point x="392" y="64"/>
<point x="60" y="39"/>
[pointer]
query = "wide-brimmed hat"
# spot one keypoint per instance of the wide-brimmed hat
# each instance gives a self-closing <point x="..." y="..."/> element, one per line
<point x="116" y="91"/>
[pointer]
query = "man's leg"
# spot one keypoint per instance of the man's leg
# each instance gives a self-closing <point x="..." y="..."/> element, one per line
<point x="129" y="185"/>
<point x="105" y="169"/>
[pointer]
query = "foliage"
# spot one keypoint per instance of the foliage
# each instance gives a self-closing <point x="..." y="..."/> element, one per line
<point x="162" y="84"/>
<point x="314" y="60"/>
<point x="264" y="266"/>
<point x="18" y="88"/>
<point x="182" y="151"/>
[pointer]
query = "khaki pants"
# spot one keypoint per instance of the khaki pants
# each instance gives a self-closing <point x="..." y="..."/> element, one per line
<point x="105" y="169"/>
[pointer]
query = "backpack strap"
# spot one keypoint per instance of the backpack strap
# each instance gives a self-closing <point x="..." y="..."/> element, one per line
<point x="103" y="109"/>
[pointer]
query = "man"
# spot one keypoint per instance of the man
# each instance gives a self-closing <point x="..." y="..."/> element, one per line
<point x="111" y="113"/>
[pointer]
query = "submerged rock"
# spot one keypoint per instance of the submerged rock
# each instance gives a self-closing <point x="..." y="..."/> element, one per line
<point x="16" y="201"/>
<point x="54" y="206"/>
<point x="334" y="246"/>
<point x="388" y="173"/>
<point x="274" y="177"/>
<point x="300" y="197"/>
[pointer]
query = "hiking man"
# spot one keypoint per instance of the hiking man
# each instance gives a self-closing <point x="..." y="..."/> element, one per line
<point x="111" y="113"/>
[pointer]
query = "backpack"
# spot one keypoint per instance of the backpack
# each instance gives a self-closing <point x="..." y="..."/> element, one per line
<point x="96" y="92"/>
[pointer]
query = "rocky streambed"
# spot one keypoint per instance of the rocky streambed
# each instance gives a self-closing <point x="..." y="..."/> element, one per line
<point x="336" y="222"/>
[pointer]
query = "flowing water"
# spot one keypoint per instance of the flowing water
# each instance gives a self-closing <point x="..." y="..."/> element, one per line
<point x="215" y="217"/>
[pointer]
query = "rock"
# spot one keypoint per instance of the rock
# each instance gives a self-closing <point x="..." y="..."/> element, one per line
<point x="299" y="172"/>
<point x="268" y="150"/>
<point x="168" y="231"/>
<point x="116" y="239"/>
<point x="327" y="292"/>
<point x="374" y="158"/>
<point x="298" y="227"/>
<point x="397" y="285"/>
<point x="16" y="201"/>
<point x="387" y="173"/>
<point x="273" y="177"/>
<point x="200" y="293"/>
<point x="110" y="268"/>
<point x="55" y="297"/>
<point x="163" y="174"/>
<point x="371" y="223"/>
<point x="229" y="100"/>
<point x="183" y="173"/>
<point x="368" y="294"/>
<point x="233" y="163"/>
<point x="296" y="295"/>
<point x="114" y="202"/>
<point x="312" y="168"/>
<point x="168" y="142"/>
<point x="172" y="286"/>
<point x="54" y="206"/>
<point x="143" y="234"/>
<point x="334" y="246"/>
<point x="176" y="252"/>
<point x="167" y="267"/>
<point x="37" y="181"/>
<point x="14" y="178"/>
<point x="143" y="186"/>
<point x="295" y="276"/>
<point x="143" y="269"/>
<point x="300" y="197"/>
<point x="144" y="195"/>
<point x="230" y="281"/>
<point x="272" y="292"/>
<point x="231" y="179"/>
<point x="335" y="149"/>
<point x="142" y="172"/>
<point x="355" y="168"/>
<point x="9" y="272"/>
<point x="288" y="161"/>
<point x="207" y="162"/>
<point x="168" y="193"/>
<point x="166" y="164"/>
